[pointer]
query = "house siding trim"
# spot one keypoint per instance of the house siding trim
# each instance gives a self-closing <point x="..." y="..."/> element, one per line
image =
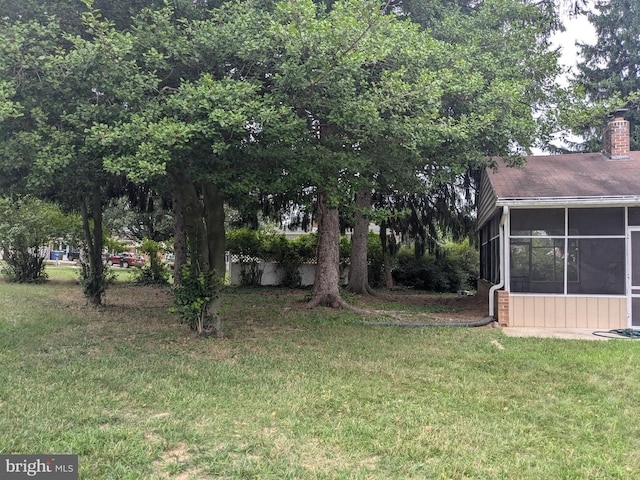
<point x="559" y="311"/>
<point x="630" y="201"/>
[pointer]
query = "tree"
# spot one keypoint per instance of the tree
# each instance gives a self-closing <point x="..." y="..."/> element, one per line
<point x="336" y="70"/>
<point x="198" y="131"/>
<point x="153" y="272"/>
<point x="64" y="84"/>
<point x="375" y="90"/>
<point x="254" y="99"/>
<point x="7" y="107"/>
<point x="143" y="213"/>
<point x="358" y="262"/>
<point x="611" y="67"/>
<point x="120" y="12"/>
<point x="503" y="54"/>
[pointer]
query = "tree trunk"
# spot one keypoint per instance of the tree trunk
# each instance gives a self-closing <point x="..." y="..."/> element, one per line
<point x="202" y="213"/>
<point x="194" y="223"/>
<point x="179" y="237"/>
<point x="214" y="215"/>
<point x="327" y="277"/>
<point x="386" y="256"/>
<point x="94" y="284"/>
<point x="359" y="268"/>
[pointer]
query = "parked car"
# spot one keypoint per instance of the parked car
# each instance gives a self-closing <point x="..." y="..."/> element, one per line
<point x="73" y="254"/>
<point x="125" y="260"/>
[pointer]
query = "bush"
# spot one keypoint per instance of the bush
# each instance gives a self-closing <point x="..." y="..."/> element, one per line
<point x="26" y="225"/>
<point x="248" y="246"/>
<point x="92" y="284"/>
<point x="115" y="246"/>
<point x="288" y="255"/>
<point x="245" y="243"/>
<point x="192" y="298"/>
<point x="468" y="259"/>
<point x="251" y="246"/>
<point x="455" y="269"/>
<point x="153" y="272"/>
<point x="376" y="259"/>
<point x="24" y="266"/>
<point x="305" y="246"/>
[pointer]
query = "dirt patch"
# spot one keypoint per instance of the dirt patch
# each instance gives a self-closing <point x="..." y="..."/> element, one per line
<point x="176" y="455"/>
<point x="171" y="464"/>
<point x="123" y="297"/>
<point x="439" y="307"/>
<point x="133" y="312"/>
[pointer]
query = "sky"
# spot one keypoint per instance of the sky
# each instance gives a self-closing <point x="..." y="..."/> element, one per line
<point x="577" y="29"/>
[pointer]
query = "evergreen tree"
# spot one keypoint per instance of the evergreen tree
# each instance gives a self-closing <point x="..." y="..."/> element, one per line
<point x="611" y="66"/>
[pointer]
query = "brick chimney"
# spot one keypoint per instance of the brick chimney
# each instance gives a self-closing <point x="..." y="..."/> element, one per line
<point x="615" y="138"/>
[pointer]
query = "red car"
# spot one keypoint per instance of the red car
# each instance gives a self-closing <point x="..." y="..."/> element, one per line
<point x="125" y="260"/>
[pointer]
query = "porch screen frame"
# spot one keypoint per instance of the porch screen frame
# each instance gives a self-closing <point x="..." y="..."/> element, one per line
<point x="571" y="240"/>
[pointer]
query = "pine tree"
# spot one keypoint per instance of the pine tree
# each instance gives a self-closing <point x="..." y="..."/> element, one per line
<point x="612" y="65"/>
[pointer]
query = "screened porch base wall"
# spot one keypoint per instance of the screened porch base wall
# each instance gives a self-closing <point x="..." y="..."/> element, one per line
<point x="567" y="311"/>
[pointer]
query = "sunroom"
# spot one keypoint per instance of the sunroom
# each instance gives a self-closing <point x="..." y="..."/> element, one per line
<point x="560" y="239"/>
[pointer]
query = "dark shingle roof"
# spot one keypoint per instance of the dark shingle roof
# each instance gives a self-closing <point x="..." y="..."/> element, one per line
<point x="570" y="175"/>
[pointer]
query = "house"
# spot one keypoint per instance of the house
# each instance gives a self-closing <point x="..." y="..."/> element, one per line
<point x="560" y="238"/>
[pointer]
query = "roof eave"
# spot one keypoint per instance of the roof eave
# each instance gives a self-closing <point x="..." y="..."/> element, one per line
<point x="610" y="200"/>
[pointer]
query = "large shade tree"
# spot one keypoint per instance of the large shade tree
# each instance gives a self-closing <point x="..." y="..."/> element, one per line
<point x="199" y="131"/>
<point x="63" y="84"/>
<point x="360" y="77"/>
<point x="502" y="53"/>
<point x="510" y="72"/>
<point x="374" y="90"/>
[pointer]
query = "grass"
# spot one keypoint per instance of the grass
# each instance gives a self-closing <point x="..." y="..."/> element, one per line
<point x="70" y="273"/>
<point x="297" y="393"/>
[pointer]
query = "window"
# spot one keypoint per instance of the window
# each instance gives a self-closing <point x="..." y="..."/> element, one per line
<point x="601" y="266"/>
<point x="634" y="216"/>
<point x="537" y="265"/>
<point x="490" y="250"/>
<point x="596" y="221"/>
<point x="583" y="255"/>
<point x="537" y="222"/>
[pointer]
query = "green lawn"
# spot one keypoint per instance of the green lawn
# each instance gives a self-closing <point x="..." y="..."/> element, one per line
<point x="297" y="393"/>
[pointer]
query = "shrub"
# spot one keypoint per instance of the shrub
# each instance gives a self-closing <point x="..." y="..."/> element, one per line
<point x="468" y="260"/>
<point x="305" y="246"/>
<point x="288" y="257"/>
<point x="375" y="258"/>
<point x="192" y="298"/>
<point x="92" y="284"/>
<point x="153" y="272"/>
<point x="115" y="246"/>
<point x="23" y="265"/>
<point x="251" y="246"/>
<point x="454" y="270"/>
<point x="344" y="250"/>
<point x="26" y="225"/>
<point x="247" y="245"/>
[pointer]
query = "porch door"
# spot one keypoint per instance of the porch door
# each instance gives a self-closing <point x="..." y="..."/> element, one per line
<point x="634" y="290"/>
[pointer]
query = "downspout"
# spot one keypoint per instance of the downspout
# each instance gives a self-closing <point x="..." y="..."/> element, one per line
<point x="500" y="284"/>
